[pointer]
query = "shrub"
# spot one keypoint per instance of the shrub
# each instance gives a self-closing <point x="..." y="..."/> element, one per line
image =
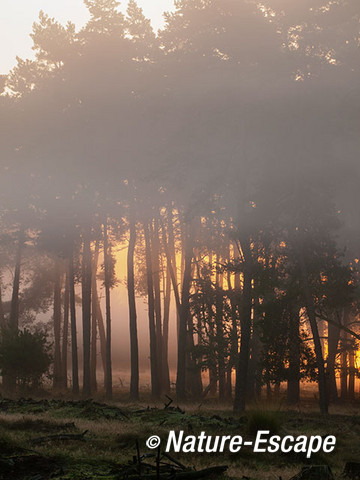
<point x="25" y="357"/>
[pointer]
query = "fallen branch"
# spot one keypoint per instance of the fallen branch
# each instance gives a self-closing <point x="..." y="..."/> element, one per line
<point x="167" y="405"/>
<point x="173" y="460"/>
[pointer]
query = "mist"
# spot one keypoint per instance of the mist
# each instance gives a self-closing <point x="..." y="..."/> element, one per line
<point x="182" y="205"/>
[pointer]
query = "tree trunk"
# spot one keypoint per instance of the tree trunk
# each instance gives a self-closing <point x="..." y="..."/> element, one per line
<point x="96" y="307"/>
<point x="277" y="389"/>
<point x="333" y="343"/>
<point x="184" y="317"/>
<point x="193" y="370"/>
<point x="344" y="358"/>
<point x="352" y="370"/>
<point x="14" y="309"/>
<point x="254" y="364"/>
<point x="57" y="380"/>
<point x="182" y="307"/>
<point x="220" y="334"/>
<point x="134" y="347"/>
<point x="155" y="387"/>
<point x="165" y="362"/>
<point x="235" y="300"/>
<point x="321" y="327"/>
<point x="102" y="334"/>
<point x="65" y="342"/>
<point x="157" y="299"/>
<point x="94" y="320"/>
<point x="343" y="370"/>
<point x="213" y="374"/>
<point x="74" y="352"/>
<point x="243" y="360"/>
<point x="201" y="322"/>
<point x="234" y="338"/>
<point x="171" y="261"/>
<point x="293" y="388"/>
<point x="108" y="378"/>
<point x="86" y="312"/>
<point x="323" y="398"/>
<point x="2" y="316"/>
<point x="9" y="382"/>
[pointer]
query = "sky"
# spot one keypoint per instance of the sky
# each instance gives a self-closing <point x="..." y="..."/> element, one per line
<point x="17" y="17"/>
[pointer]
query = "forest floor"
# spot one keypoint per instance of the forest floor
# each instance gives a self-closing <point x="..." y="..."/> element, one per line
<point x="64" y="439"/>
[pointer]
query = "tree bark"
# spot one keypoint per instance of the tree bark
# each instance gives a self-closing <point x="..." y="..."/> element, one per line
<point x="74" y="351"/>
<point x="86" y="312"/>
<point x="157" y="299"/>
<point x="235" y="301"/>
<point x="243" y="360"/>
<point x="234" y="337"/>
<point x="171" y="256"/>
<point x="94" y="318"/>
<point x="213" y="374"/>
<point x="2" y="316"/>
<point x="155" y="387"/>
<point x="220" y="334"/>
<point x="134" y="347"/>
<point x="323" y="398"/>
<point x="14" y="309"/>
<point x="108" y="379"/>
<point x="102" y="334"/>
<point x="65" y="342"/>
<point x="182" y="307"/>
<point x="57" y="379"/>
<point x="166" y="321"/>
<point x="352" y="370"/>
<point x="333" y="344"/>
<point x="293" y="387"/>
<point x="344" y="358"/>
<point x="254" y="375"/>
<point x="193" y="370"/>
<point x="343" y="370"/>
<point x="184" y="317"/>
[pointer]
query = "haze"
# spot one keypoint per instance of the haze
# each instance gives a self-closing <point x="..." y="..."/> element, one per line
<point x="188" y="198"/>
<point x="18" y="16"/>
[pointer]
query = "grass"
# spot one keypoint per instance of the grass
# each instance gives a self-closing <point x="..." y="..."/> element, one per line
<point x="261" y="419"/>
<point x="114" y="429"/>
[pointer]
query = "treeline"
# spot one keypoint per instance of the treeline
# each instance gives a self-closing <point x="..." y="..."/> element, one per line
<point x="223" y="153"/>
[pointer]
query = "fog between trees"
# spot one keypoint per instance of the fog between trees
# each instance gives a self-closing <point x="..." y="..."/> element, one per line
<point x="223" y="152"/>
